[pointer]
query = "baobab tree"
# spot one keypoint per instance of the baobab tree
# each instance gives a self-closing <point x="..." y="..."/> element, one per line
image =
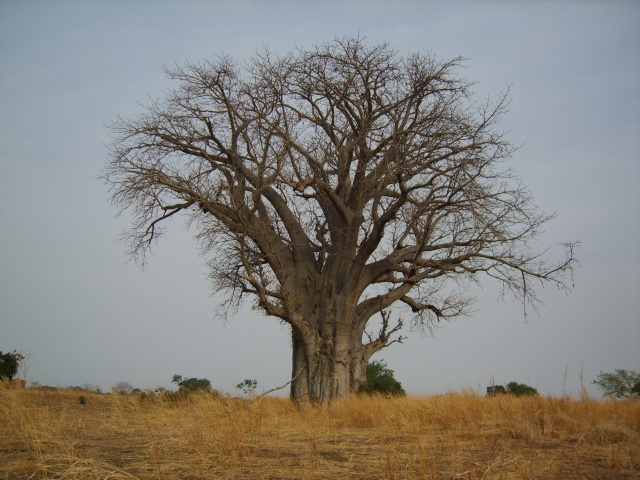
<point x="332" y="185"/>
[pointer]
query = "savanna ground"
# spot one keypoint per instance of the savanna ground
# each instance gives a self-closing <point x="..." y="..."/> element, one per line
<point x="52" y="435"/>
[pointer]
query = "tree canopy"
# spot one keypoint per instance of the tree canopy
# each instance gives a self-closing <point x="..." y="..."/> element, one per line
<point x="621" y="383"/>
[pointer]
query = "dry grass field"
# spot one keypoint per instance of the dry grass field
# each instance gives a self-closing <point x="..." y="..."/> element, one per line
<point x="454" y="436"/>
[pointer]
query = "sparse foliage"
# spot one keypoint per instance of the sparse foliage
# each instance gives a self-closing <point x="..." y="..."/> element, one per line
<point x="87" y="387"/>
<point x="9" y="364"/>
<point x="122" y="388"/>
<point x="331" y="184"/>
<point x="619" y="384"/>
<point x="248" y="386"/>
<point x="380" y="379"/>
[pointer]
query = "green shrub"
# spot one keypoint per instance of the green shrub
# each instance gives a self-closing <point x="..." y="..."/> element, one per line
<point x="9" y="364"/>
<point x="494" y="390"/>
<point x="521" y="390"/>
<point x="513" y="388"/>
<point x="380" y="379"/>
<point x="190" y="385"/>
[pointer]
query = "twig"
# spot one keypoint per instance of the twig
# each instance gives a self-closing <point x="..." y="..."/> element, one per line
<point x="280" y="388"/>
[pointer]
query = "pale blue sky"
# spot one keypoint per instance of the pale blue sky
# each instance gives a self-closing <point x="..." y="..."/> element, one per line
<point x="69" y="297"/>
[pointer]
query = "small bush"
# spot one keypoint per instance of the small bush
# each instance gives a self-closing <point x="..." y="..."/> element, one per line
<point x="9" y="364"/>
<point x="513" y="388"/>
<point x="494" y="390"/>
<point x="380" y="379"/>
<point x="190" y="385"/>
<point x="521" y="390"/>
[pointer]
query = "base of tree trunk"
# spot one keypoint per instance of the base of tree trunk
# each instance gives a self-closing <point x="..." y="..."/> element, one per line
<point x="321" y="375"/>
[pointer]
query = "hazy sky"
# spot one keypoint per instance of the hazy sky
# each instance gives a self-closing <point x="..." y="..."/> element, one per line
<point x="70" y="299"/>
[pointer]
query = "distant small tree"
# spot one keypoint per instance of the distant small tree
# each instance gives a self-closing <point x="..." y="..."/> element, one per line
<point x="122" y="388"/>
<point x="513" y="388"/>
<point x="380" y="379"/>
<point x="620" y="383"/>
<point x="9" y="364"/>
<point x="190" y="385"/>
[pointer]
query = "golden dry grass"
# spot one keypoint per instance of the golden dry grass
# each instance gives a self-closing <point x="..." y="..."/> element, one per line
<point x="454" y="436"/>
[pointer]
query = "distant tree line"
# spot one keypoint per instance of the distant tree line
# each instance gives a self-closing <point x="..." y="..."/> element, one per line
<point x="380" y="379"/>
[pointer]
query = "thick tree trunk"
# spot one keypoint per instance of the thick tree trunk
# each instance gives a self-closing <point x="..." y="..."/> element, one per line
<point x="328" y="370"/>
<point x="299" y="370"/>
